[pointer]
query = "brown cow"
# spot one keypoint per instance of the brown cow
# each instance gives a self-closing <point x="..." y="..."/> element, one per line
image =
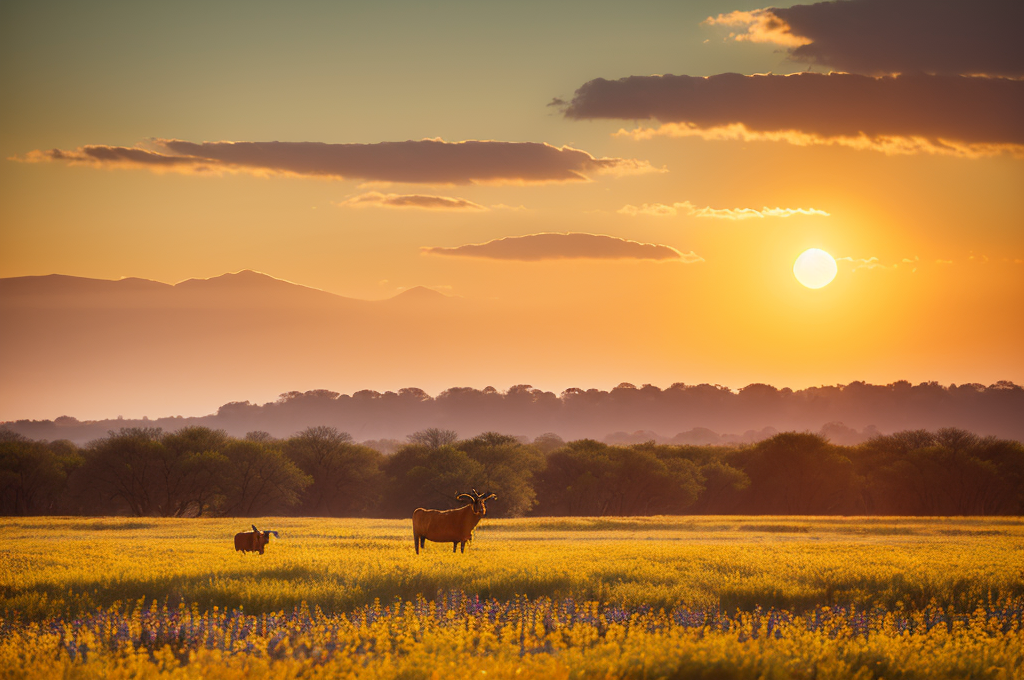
<point x="441" y="526"/>
<point x="253" y="541"/>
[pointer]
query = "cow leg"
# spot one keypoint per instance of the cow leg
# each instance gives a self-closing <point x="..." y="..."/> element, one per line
<point x="416" y="542"/>
<point x="423" y="542"/>
<point x="455" y="546"/>
<point x="463" y="547"/>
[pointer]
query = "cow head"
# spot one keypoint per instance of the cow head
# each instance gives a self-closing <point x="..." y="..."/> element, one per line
<point x="263" y="537"/>
<point x="477" y="499"/>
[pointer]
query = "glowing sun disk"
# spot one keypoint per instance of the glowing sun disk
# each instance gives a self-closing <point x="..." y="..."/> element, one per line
<point x="815" y="268"/>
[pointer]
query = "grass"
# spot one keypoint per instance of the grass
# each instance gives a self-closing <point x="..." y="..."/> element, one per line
<point x="52" y="566"/>
<point x="671" y="597"/>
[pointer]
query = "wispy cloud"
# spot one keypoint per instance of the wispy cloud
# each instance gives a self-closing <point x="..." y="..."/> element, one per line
<point x="420" y="201"/>
<point x="687" y="208"/>
<point x="870" y="263"/>
<point x="564" y="246"/>
<point x="654" y="209"/>
<point x="866" y="263"/>
<point x="887" y="144"/>
<point x="904" y="114"/>
<point x="892" y="36"/>
<point x="426" y="161"/>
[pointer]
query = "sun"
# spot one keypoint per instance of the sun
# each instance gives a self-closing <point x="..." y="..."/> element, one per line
<point x="815" y="268"/>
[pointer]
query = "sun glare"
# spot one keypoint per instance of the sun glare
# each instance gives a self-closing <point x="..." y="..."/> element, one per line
<point x="815" y="268"/>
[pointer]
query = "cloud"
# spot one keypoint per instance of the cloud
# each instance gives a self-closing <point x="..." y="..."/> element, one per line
<point x="789" y="212"/>
<point x="878" y="37"/>
<point x="663" y="210"/>
<point x="762" y="26"/>
<point x="426" y="161"/>
<point x="557" y="246"/>
<point x="889" y="145"/>
<point x="868" y="263"/>
<point x="904" y="114"/>
<point x="875" y="263"/>
<point x="377" y="199"/>
<point x="655" y="209"/>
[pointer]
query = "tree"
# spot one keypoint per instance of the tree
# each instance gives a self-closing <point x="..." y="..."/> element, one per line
<point x="573" y="479"/>
<point x="258" y="479"/>
<point x="508" y="468"/>
<point x="259" y="436"/>
<point x="646" y="479"/>
<point x="346" y="476"/>
<point x="956" y="440"/>
<point x="33" y="476"/>
<point x="798" y="474"/>
<point x="189" y="467"/>
<point x="722" y="484"/>
<point x="123" y="469"/>
<point x="953" y="472"/>
<point x="548" y="442"/>
<point x="422" y="476"/>
<point x="433" y="437"/>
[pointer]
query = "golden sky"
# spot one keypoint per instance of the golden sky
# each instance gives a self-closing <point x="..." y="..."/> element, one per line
<point x="364" y="150"/>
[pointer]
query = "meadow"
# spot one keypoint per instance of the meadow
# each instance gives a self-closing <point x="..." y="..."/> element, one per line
<point x="559" y="597"/>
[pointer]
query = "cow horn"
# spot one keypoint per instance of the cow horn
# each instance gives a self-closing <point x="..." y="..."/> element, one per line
<point x="466" y="496"/>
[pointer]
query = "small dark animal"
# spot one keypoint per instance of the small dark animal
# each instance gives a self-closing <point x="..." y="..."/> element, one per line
<point x="253" y="541"/>
<point x="441" y="526"/>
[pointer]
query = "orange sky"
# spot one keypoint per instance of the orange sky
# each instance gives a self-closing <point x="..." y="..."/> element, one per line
<point x="926" y="207"/>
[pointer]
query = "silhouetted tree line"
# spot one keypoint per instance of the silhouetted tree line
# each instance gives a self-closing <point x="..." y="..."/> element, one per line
<point x="322" y="472"/>
<point x="680" y="414"/>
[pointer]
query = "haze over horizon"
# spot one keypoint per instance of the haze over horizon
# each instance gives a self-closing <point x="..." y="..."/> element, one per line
<point x="587" y="223"/>
<point x="98" y="349"/>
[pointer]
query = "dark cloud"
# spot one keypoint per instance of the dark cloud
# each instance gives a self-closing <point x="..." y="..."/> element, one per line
<point x="534" y="247"/>
<point x="879" y="37"/>
<point x="935" y="113"/>
<point x="428" y="161"/>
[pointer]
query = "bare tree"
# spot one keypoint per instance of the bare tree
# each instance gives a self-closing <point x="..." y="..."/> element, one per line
<point x="433" y="437"/>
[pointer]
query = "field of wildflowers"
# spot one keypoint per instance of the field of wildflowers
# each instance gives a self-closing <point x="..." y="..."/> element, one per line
<point x="634" y="597"/>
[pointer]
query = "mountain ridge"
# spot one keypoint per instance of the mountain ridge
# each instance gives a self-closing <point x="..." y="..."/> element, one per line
<point x="245" y="280"/>
<point x="84" y="345"/>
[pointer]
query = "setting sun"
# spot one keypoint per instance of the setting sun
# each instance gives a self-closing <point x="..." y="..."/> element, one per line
<point x="815" y="268"/>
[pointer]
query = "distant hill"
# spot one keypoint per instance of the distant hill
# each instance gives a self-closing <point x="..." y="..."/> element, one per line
<point x="641" y="414"/>
<point x="419" y="294"/>
<point x="72" y="343"/>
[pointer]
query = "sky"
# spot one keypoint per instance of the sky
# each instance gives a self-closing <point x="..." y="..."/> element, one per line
<point x="589" y="166"/>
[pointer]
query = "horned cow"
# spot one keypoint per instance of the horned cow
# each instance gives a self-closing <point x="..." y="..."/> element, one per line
<point x="442" y="526"/>
<point x="253" y="541"/>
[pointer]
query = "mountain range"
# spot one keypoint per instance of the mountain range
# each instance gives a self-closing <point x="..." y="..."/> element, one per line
<point x="86" y="347"/>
